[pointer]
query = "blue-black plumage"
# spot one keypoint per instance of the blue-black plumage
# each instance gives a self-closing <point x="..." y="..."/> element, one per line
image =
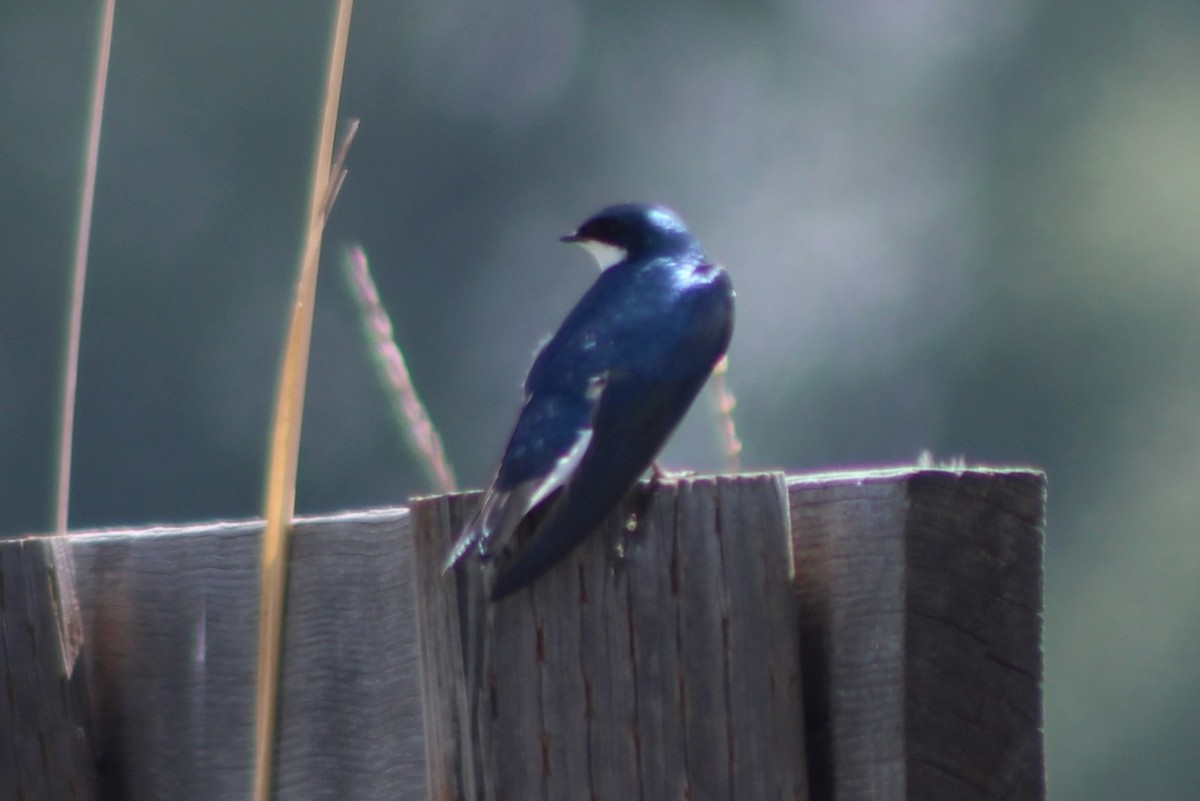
<point x="605" y="392"/>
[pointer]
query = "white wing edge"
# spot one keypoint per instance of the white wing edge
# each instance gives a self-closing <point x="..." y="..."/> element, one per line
<point x="501" y="512"/>
<point x="564" y="468"/>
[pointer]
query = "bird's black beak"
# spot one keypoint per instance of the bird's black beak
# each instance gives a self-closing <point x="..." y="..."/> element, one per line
<point x="571" y="238"/>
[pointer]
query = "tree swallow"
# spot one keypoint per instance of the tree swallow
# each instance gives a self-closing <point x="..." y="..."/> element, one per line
<point x="605" y="392"/>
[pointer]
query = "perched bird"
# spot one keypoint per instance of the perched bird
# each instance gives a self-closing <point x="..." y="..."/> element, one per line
<point x="605" y="392"/>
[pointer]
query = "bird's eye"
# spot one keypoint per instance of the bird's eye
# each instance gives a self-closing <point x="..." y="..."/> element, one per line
<point x="605" y="230"/>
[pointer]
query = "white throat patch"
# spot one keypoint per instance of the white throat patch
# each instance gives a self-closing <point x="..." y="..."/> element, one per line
<point x="605" y="255"/>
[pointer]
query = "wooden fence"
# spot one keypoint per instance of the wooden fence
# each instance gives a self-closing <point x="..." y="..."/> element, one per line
<point x="866" y="635"/>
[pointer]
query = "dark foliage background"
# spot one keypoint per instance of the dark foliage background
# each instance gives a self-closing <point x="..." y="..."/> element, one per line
<point x="971" y="227"/>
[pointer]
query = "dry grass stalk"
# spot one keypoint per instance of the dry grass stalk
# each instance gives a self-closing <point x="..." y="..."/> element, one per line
<point x="70" y="626"/>
<point x="724" y="401"/>
<point x="285" y="431"/>
<point x="83" y="232"/>
<point x="408" y="411"/>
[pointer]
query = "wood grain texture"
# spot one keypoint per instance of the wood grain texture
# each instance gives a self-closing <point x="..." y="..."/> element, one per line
<point x="170" y="638"/>
<point x="668" y="671"/>
<point x="674" y="655"/>
<point x="921" y="600"/>
<point x="45" y="751"/>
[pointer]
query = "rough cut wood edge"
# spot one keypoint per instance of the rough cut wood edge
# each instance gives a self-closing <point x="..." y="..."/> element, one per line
<point x="170" y="636"/>
<point x="45" y="753"/>
<point x="921" y="601"/>
<point x="672" y="673"/>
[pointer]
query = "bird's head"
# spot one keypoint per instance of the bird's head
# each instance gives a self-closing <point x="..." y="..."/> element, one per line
<point x="631" y="229"/>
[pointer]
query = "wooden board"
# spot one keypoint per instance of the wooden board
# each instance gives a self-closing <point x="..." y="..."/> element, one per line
<point x="921" y="601"/>
<point x="669" y="672"/>
<point x="45" y="747"/>
<point x="902" y="659"/>
<point x="170" y="620"/>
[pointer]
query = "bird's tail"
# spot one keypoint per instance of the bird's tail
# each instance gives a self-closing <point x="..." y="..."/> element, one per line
<point x="491" y="526"/>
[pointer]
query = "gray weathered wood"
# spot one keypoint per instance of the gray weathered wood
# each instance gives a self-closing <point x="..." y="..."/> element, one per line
<point x="45" y="753"/>
<point x="921" y="600"/>
<point x="170" y="620"/>
<point x="669" y="673"/>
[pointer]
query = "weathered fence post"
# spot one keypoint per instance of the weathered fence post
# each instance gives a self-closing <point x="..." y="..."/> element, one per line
<point x="170" y="618"/>
<point x="45" y="752"/>
<point x="881" y="641"/>
<point x="921" y="601"/>
<point x="670" y="673"/>
<point x="919" y="633"/>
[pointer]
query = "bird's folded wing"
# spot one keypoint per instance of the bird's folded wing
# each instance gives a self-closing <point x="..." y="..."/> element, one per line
<point x="501" y="512"/>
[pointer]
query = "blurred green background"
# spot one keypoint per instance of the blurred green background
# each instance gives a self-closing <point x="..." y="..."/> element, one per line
<point x="972" y="227"/>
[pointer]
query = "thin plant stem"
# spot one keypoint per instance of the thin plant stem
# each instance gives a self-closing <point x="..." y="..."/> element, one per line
<point x="280" y="501"/>
<point x="724" y="401"/>
<point x="337" y="173"/>
<point x="70" y="623"/>
<point x="408" y="411"/>
<point x="83" y="234"/>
